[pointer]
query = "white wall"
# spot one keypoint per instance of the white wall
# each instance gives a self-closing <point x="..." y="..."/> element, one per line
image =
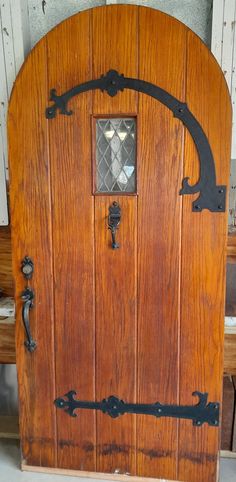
<point x="194" y="13"/>
<point x="11" y="58"/>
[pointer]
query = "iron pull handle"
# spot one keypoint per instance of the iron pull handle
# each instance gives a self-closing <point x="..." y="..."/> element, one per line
<point x="113" y="222"/>
<point x="28" y="296"/>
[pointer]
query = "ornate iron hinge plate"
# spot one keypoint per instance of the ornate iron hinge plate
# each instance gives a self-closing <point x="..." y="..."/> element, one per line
<point x="211" y="196"/>
<point x="200" y="413"/>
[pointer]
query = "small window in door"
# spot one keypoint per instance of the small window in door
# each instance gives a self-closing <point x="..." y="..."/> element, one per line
<point x="115" y="155"/>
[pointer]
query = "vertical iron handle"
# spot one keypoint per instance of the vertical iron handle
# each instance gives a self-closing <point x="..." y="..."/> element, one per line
<point x="27" y="296"/>
<point x="113" y="222"/>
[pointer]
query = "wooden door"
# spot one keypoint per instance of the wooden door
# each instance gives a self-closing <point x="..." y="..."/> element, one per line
<point x="144" y="322"/>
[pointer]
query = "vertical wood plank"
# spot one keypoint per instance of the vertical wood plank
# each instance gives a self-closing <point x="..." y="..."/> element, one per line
<point x="115" y="48"/>
<point x="116" y="333"/>
<point x="31" y="236"/>
<point x="203" y="267"/>
<point x="73" y="240"/>
<point x="160" y="140"/>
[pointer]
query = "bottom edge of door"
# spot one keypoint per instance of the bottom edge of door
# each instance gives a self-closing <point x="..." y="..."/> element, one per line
<point x="94" y="475"/>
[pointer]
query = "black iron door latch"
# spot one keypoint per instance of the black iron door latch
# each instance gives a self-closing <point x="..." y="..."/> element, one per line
<point x="113" y="222"/>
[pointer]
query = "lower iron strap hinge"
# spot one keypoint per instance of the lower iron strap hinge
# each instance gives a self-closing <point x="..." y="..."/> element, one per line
<point x="200" y="413"/>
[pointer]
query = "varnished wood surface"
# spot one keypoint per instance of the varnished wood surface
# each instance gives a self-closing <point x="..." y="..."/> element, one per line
<point x="203" y="266"/>
<point x="73" y="243"/>
<point x="144" y="322"/>
<point x="116" y="279"/>
<point x="31" y="236"/>
<point x="116" y="332"/>
<point x="160" y="172"/>
<point x="111" y="47"/>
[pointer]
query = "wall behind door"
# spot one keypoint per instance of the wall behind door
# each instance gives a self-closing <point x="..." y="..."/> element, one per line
<point x="197" y="14"/>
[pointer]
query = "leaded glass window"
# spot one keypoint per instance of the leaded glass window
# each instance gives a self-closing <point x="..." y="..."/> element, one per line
<point x="116" y="155"/>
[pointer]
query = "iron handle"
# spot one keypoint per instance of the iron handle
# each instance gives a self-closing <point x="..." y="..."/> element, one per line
<point x="113" y="222"/>
<point x="27" y="296"/>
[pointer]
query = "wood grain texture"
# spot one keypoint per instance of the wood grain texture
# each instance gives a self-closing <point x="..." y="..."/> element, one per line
<point x="160" y="161"/>
<point x="144" y="322"/>
<point x="203" y="266"/>
<point x="116" y="296"/>
<point x="31" y="236"/>
<point x="116" y="328"/>
<point x="115" y="46"/>
<point x="6" y="276"/>
<point x="73" y="241"/>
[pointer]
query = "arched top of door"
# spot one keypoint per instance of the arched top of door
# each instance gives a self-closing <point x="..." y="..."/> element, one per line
<point x="211" y="195"/>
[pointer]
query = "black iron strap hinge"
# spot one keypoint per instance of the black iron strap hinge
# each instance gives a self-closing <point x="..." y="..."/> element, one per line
<point x="200" y="413"/>
<point x="211" y="196"/>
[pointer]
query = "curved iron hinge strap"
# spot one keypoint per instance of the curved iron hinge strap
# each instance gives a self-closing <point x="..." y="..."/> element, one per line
<point x="211" y="196"/>
<point x="202" y="412"/>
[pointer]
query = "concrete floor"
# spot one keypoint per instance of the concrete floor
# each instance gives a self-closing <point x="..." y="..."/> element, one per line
<point x="10" y="472"/>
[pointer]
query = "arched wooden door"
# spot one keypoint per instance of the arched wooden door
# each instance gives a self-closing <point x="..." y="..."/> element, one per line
<point x="142" y="323"/>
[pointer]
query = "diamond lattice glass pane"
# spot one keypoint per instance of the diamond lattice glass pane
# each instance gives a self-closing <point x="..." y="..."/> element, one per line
<point x="115" y="155"/>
